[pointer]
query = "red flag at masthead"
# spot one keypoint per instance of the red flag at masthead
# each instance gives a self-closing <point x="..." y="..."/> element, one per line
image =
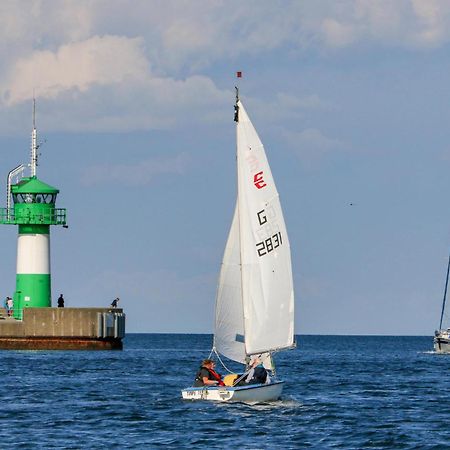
<point x="239" y="74"/>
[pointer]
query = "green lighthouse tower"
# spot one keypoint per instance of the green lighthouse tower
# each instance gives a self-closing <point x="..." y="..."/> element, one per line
<point x="34" y="211"/>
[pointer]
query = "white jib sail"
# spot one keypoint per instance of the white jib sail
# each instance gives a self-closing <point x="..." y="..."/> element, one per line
<point x="267" y="287"/>
<point x="229" y="327"/>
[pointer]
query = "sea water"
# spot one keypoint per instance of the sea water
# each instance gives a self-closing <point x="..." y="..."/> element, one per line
<point x="349" y="392"/>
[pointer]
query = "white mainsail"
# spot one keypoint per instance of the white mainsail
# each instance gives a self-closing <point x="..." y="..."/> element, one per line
<point x="255" y="297"/>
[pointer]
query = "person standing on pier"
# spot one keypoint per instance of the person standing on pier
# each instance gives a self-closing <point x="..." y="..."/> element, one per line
<point x="61" y="301"/>
<point x="9" y="306"/>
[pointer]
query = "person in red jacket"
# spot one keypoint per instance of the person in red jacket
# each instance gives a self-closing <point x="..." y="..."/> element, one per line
<point x="207" y="376"/>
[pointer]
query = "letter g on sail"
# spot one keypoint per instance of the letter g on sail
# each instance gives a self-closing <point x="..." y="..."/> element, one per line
<point x="262" y="219"/>
<point x="258" y="180"/>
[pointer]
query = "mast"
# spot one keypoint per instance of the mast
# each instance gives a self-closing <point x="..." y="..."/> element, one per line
<point x="236" y="107"/>
<point x="445" y="293"/>
<point x="236" y="119"/>
<point x="34" y="145"/>
<point x="229" y="332"/>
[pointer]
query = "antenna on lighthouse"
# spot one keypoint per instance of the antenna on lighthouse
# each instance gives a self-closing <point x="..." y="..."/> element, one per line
<point x="34" y="145"/>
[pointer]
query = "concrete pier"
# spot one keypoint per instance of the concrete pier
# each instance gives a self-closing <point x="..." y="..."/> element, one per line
<point x="63" y="329"/>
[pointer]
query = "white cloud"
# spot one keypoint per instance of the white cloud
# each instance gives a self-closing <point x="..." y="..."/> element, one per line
<point x="310" y="102"/>
<point x="105" y="84"/>
<point x="102" y="66"/>
<point x="138" y="174"/>
<point x="314" y="138"/>
<point x="311" y="145"/>
<point x="41" y="24"/>
<point x="148" y="103"/>
<point x="433" y="16"/>
<point x="414" y="24"/>
<point x="194" y="33"/>
<point x="98" y="60"/>
<point x="338" y="34"/>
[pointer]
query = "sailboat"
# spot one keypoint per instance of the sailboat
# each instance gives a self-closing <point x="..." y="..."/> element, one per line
<point x="254" y="315"/>
<point x="442" y="336"/>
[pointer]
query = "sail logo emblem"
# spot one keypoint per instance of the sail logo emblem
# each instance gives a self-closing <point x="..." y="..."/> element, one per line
<point x="258" y="180"/>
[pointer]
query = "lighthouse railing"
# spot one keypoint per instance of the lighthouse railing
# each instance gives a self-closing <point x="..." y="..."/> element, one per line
<point x="16" y="172"/>
<point x="52" y="216"/>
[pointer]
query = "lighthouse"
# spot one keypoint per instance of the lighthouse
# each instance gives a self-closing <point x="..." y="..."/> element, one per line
<point x="34" y="212"/>
<point x="36" y="325"/>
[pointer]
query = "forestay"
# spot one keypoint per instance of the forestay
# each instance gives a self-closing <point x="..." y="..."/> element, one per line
<point x="255" y="300"/>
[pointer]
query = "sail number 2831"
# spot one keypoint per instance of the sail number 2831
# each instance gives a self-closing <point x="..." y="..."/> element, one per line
<point x="267" y="245"/>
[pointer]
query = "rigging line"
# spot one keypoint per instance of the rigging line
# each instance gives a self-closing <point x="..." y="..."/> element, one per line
<point x="220" y="360"/>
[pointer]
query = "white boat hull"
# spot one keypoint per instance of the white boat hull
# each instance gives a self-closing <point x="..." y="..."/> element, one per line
<point x="442" y="341"/>
<point x="253" y="393"/>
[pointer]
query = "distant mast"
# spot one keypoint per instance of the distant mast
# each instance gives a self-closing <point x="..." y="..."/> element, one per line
<point x="34" y="145"/>
<point x="445" y="294"/>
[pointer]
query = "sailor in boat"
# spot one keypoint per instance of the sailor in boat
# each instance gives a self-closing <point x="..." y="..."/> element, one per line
<point x="257" y="374"/>
<point x="207" y="376"/>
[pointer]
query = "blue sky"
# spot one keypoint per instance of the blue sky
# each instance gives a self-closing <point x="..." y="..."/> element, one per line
<point x="135" y="105"/>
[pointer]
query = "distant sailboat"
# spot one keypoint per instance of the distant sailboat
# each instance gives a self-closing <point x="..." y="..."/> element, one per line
<point x="442" y="336"/>
<point x="255" y="296"/>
